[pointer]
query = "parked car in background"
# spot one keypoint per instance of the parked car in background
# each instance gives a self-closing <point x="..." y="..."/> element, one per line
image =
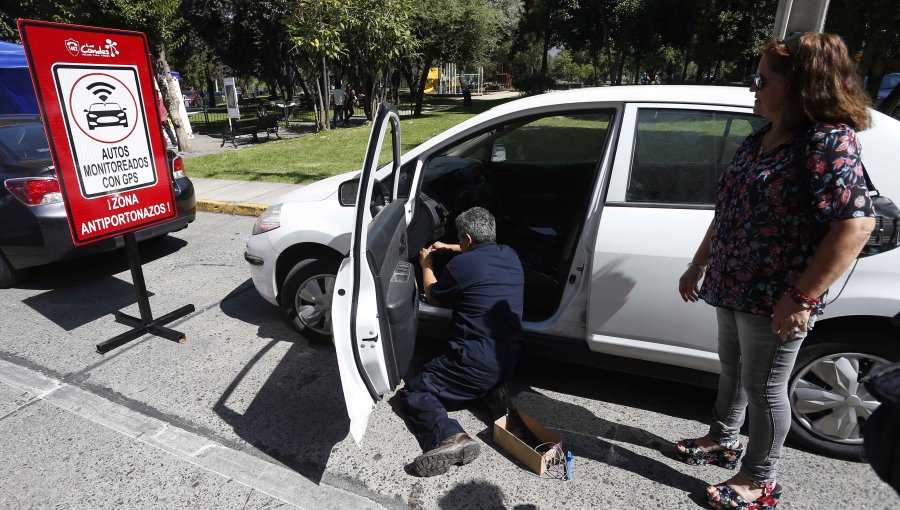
<point x="604" y="194"/>
<point x="192" y="99"/>
<point x="33" y="224"/>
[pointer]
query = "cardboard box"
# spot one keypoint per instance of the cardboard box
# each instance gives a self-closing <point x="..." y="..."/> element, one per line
<point x="512" y="444"/>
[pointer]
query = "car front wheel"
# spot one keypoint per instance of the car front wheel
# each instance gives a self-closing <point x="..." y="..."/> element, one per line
<point x="829" y="404"/>
<point x="306" y="297"/>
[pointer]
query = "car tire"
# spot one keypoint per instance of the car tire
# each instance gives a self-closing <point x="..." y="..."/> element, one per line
<point x="828" y="404"/>
<point x="9" y="275"/>
<point x="306" y="297"/>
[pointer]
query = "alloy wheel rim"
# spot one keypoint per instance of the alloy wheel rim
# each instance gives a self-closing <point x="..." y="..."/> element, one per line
<point x="313" y="303"/>
<point x="828" y="400"/>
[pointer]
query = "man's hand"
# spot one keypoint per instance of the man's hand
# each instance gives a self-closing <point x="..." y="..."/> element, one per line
<point x="439" y="246"/>
<point x="789" y="318"/>
<point x="425" y="258"/>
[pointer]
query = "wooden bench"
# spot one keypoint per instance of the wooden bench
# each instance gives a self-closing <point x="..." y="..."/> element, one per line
<point x="239" y="127"/>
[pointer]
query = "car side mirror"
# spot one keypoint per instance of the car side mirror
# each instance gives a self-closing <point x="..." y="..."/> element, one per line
<point x="347" y="192"/>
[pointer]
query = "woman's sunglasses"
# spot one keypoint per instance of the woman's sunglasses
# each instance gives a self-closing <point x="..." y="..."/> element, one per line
<point x="759" y="82"/>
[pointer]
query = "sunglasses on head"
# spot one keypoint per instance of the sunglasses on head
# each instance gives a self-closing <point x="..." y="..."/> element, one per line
<point x="793" y="42"/>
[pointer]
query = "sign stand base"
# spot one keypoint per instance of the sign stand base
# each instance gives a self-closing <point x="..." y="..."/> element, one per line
<point x="146" y="324"/>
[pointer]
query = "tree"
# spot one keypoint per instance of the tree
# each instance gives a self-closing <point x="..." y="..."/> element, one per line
<point x="157" y="19"/>
<point x="379" y="36"/>
<point x="316" y="28"/>
<point x="464" y="34"/>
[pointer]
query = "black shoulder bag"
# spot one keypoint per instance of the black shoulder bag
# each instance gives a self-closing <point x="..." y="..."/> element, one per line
<point x="886" y="235"/>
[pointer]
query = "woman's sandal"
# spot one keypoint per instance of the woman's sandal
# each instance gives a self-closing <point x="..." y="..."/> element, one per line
<point x="726" y="455"/>
<point x="767" y="501"/>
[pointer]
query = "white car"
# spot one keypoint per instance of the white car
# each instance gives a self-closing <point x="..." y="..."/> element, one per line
<point x="604" y="193"/>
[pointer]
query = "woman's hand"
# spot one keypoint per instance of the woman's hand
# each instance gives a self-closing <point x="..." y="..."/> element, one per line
<point x="689" y="284"/>
<point x="789" y="318"/>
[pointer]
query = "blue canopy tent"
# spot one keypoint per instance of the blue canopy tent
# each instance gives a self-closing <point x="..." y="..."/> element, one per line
<point x="16" y="90"/>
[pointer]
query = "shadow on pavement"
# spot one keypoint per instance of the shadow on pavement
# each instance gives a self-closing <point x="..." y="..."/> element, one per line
<point x="589" y="436"/>
<point x="73" y="286"/>
<point x="486" y="495"/>
<point x="298" y="414"/>
<point x="246" y="305"/>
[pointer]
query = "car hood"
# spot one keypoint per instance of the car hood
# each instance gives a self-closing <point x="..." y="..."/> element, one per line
<point x="319" y="190"/>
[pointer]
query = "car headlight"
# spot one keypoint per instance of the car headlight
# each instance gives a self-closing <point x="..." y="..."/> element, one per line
<point x="268" y="220"/>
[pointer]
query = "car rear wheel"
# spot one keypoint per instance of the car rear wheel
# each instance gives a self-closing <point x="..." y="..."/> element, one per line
<point x="829" y="405"/>
<point x="9" y="275"/>
<point x="306" y="297"/>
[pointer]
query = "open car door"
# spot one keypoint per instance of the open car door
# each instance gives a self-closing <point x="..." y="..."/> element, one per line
<point x="375" y="304"/>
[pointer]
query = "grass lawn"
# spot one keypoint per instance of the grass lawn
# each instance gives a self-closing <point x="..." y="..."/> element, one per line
<point x="316" y="156"/>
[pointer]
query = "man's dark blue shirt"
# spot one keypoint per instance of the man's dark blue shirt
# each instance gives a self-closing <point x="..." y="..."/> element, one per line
<point x="485" y="286"/>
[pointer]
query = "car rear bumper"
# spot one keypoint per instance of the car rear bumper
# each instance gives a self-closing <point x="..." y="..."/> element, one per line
<point x="45" y="237"/>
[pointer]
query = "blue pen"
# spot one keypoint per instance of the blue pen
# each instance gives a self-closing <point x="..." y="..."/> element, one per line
<point x="568" y="465"/>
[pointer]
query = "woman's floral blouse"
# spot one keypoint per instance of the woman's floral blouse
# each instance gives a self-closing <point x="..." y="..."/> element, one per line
<point x="771" y="214"/>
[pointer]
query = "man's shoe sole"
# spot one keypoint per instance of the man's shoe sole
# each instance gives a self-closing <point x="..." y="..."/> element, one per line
<point x="438" y="461"/>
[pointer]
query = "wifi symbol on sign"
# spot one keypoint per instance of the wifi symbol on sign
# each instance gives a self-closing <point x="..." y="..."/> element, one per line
<point x="101" y="90"/>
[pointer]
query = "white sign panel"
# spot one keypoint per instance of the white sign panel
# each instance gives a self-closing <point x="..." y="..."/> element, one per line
<point x="231" y="99"/>
<point x="107" y="127"/>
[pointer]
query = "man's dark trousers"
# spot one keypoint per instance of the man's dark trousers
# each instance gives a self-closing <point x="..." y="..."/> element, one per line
<point x="443" y="381"/>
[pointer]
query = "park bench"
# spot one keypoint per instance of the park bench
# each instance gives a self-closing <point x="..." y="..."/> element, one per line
<point x="239" y="127"/>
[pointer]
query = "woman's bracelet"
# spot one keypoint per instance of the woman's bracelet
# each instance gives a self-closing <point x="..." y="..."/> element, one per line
<point x="805" y="300"/>
<point x="701" y="267"/>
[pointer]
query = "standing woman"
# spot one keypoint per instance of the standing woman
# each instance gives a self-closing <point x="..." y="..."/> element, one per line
<point x="784" y="230"/>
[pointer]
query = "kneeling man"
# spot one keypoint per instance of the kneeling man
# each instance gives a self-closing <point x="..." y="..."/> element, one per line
<point x="485" y="285"/>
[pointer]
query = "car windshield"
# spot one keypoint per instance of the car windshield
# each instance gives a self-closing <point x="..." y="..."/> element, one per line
<point x="96" y="107"/>
<point x="24" y="141"/>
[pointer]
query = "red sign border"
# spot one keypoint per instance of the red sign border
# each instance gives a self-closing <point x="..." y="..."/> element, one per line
<point x="76" y="238"/>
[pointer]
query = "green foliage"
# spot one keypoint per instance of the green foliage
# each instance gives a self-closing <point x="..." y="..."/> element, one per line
<point x="156" y="18"/>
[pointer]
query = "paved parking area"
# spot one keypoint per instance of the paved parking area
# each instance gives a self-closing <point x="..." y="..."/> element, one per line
<point x="246" y="388"/>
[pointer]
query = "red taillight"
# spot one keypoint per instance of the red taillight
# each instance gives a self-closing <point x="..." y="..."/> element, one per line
<point x="35" y="190"/>
<point x="178" y="168"/>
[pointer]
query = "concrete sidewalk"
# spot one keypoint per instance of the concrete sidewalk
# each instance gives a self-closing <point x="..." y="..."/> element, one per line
<point x="242" y="198"/>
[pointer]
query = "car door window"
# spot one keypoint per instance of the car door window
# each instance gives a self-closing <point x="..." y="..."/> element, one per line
<point x="679" y="154"/>
<point x="556" y="139"/>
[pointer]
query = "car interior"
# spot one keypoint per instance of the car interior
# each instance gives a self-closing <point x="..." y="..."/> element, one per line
<point x="538" y="197"/>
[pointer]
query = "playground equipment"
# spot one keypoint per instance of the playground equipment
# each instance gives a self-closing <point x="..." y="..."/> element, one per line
<point x="448" y="80"/>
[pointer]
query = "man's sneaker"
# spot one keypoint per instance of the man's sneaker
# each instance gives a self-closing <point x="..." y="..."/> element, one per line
<point x="457" y="449"/>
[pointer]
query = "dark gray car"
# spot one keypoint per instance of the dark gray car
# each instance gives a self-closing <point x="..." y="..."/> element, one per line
<point x="33" y="225"/>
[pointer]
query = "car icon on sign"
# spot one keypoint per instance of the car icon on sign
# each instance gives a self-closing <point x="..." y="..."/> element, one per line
<point x="106" y="114"/>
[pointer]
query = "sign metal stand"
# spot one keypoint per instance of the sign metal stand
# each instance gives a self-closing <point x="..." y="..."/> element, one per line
<point x="146" y="324"/>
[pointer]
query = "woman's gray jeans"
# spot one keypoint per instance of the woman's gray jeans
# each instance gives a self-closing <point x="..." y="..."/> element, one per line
<point x="756" y="366"/>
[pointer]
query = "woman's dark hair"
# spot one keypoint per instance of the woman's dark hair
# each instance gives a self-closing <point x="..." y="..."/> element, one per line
<point x="822" y="84"/>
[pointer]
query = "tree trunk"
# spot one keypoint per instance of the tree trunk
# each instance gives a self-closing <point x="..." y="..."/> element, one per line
<point x="172" y="103"/>
<point x="420" y="92"/>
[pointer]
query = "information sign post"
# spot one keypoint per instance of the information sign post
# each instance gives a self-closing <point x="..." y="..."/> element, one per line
<point x="95" y="89"/>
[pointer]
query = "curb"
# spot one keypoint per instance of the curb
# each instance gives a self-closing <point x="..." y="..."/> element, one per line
<point x="233" y="208"/>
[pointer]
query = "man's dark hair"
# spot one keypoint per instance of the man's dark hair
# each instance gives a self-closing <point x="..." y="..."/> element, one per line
<point x="479" y="223"/>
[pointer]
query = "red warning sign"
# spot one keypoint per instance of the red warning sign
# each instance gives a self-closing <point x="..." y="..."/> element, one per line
<point x="96" y="94"/>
